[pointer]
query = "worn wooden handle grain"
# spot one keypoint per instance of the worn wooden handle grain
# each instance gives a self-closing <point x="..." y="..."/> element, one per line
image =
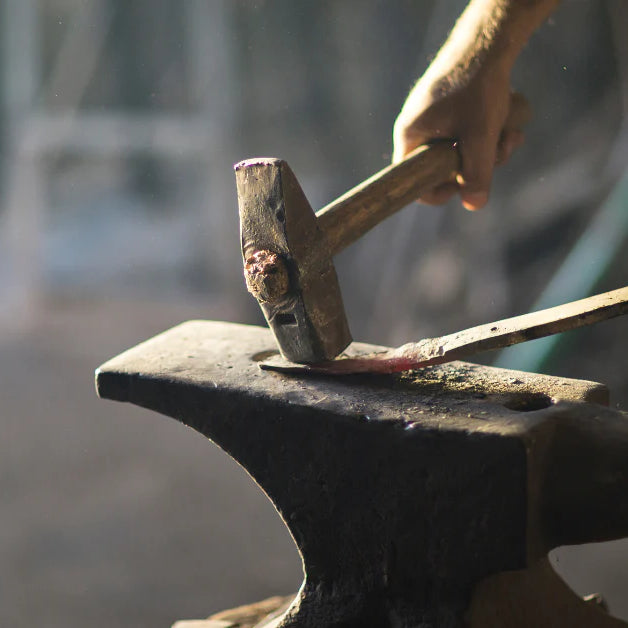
<point x="349" y="217"/>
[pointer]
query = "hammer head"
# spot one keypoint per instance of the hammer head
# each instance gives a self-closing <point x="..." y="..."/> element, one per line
<point x="287" y="263"/>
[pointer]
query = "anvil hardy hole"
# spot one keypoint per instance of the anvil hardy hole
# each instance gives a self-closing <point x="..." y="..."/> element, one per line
<point x="528" y="402"/>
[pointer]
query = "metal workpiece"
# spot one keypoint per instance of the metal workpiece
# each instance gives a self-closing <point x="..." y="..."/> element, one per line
<point x="428" y="498"/>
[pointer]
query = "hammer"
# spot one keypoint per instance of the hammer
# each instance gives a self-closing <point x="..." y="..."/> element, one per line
<point x="287" y="249"/>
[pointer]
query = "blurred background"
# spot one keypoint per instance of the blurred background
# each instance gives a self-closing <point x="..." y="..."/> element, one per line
<point x="119" y="124"/>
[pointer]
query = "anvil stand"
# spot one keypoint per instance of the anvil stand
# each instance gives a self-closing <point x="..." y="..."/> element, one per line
<point x="428" y="499"/>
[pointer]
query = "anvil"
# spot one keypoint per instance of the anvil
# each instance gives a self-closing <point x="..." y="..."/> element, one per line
<point x="425" y="499"/>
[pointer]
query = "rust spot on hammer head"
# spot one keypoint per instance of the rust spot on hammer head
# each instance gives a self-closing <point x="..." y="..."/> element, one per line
<point x="266" y="276"/>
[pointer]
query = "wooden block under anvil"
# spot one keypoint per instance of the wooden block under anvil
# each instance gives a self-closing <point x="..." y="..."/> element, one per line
<point x="426" y="499"/>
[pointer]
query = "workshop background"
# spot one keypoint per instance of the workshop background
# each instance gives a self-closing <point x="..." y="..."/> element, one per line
<point x="119" y="124"/>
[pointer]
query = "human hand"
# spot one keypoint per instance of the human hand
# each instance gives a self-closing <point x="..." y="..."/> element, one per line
<point x="476" y="107"/>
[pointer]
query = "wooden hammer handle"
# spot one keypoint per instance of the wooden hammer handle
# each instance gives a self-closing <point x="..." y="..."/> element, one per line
<point x="360" y="209"/>
<point x="349" y="217"/>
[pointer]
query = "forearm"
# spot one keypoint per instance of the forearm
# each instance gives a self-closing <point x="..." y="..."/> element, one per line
<point x="490" y="32"/>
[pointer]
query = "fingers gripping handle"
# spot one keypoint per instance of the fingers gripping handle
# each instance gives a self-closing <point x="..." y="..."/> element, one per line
<point x="349" y="217"/>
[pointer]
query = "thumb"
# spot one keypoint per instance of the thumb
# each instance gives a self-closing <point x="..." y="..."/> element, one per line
<point x="478" y="160"/>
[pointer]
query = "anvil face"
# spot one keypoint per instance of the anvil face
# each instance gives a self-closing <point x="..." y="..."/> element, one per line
<point x="402" y="492"/>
